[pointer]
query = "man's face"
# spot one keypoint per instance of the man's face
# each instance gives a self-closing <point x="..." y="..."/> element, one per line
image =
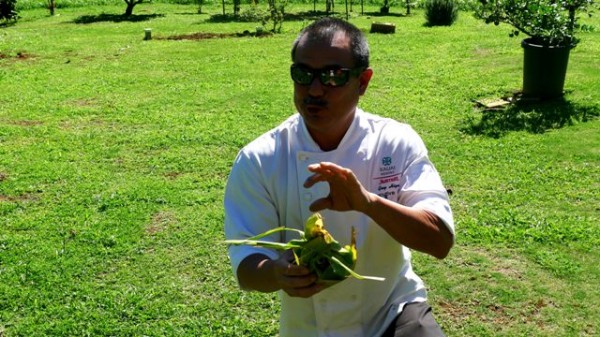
<point x="328" y="111"/>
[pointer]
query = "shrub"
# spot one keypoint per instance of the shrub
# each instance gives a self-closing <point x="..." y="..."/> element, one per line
<point x="8" y="11"/>
<point x="276" y="15"/>
<point x="440" y="12"/>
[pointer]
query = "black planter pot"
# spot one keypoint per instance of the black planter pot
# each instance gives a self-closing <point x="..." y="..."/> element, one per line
<point x="544" y="69"/>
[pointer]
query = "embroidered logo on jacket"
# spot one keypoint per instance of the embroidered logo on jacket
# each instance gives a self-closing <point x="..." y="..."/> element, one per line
<point x="387" y="181"/>
<point x="387" y="168"/>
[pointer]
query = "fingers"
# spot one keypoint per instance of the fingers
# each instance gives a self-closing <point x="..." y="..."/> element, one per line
<point x="304" y="292"/>
<point x="295" y="280"/>
<point x="326" y="171"/>
<point x="290" y="269"/>
<point x="326" y="168"/>
<point x="320" y="204"/>
<point x="346" y="191"/>
<point x="313" y="179"/>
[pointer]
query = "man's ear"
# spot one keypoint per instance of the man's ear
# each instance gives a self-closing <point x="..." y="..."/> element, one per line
<point x="364" y="79"/>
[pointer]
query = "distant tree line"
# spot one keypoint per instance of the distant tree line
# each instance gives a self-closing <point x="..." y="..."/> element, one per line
<point x="9" y="8"/>
<point x="29" y="4"/>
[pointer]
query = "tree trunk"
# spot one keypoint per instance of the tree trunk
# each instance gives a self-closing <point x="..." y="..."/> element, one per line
<point x="236" y="7"/>
<point x="129" y="9"/>
<point x="52" y="7"/>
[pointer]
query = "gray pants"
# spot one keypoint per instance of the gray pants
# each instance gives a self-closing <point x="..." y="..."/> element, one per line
<point x="416" y="320"/>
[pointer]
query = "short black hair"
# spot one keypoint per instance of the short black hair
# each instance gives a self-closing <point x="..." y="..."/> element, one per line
<point x="324" y="29"/>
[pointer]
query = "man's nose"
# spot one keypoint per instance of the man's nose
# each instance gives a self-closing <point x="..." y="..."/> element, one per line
<point x="316" y="88"/>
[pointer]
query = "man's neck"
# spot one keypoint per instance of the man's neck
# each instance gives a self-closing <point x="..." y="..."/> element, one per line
<point x="330" y="140"/>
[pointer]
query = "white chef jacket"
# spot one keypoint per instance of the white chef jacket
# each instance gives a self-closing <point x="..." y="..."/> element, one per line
<point x="265" y="190"/>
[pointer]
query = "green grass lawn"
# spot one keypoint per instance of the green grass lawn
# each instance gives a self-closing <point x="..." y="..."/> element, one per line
<point x="114" y="153"/>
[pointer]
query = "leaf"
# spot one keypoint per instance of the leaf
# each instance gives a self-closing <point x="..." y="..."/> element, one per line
<point x="316" y="249"/>
<point x="354" y="274"/>
<point x="264" y="244"/>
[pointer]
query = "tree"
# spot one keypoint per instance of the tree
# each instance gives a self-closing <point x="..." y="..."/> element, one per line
<point x="329" y="6"/>
<point x="236" y="7"/>
<point x="51" y="6"/>
<point x="130" y="5"/>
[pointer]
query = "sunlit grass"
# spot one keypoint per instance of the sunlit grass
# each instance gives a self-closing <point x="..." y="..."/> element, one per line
<point x="114" y="152"/>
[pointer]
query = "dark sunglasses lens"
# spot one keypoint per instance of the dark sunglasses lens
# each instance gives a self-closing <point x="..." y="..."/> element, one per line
<point x="335" y="77"/>
<point x="301" y="76"/>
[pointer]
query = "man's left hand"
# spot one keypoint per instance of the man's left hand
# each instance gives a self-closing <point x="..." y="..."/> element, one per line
<point x="345" y="191"/>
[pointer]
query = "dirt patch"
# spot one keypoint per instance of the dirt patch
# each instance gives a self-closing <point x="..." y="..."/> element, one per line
<point x="23" y="197"/>
<point x="172" y="175"/>
<point x="489" y="272"/>
<point x="23" y="56"/>
<point x="478" y="51"/>
<point x="26" y="123"/>
<point x="508" y="263"/>
<point x="204" y="36"/>
<point x="455" y="310"/>
<point x="19" y="56"/>
<point x="159" y="222"/>
<point x="93" y="123"/>
<point x="84" y="102"/>
<point x="3" y="176"/>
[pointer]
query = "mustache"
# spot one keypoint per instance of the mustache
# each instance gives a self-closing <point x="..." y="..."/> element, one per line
<point x="314" y="101"/>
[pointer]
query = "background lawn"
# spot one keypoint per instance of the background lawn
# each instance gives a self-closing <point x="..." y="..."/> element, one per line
<point x="114" y="153"/>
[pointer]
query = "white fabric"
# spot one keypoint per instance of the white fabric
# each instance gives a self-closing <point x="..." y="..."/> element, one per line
<point x="265" y="191"/>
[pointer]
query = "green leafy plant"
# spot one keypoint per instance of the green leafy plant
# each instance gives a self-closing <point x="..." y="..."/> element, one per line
<point x="276" y="15"/>
<point x="316" y="249"/>
<point x="546" y="22"/>
<point x="441" y="12"/>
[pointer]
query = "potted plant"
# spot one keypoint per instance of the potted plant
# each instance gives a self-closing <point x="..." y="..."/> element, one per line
<point x="550" y="27"/>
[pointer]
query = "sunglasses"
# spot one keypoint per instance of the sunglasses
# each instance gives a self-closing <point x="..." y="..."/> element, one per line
<point x="330" y="76"/>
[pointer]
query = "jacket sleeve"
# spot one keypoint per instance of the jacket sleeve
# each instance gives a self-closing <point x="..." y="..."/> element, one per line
<point x="249" y="209"/>
<point x="421" y="185"/>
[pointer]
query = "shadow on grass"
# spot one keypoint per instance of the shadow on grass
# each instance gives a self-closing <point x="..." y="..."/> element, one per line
<point x="7" y="23"/>
<point x="86" y="19"/>
<point x="431" y="25"/>
<point x="532" y="117"/>
<point x="204" y="36"/>
<point x="378" y="14"/>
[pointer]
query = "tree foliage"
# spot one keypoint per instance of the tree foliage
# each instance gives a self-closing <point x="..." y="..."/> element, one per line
<point x="8" y="11"/>
<point x="547" y="22"/>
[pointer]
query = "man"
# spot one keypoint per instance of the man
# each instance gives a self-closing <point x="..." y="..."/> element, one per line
<point x="358" y="170"/>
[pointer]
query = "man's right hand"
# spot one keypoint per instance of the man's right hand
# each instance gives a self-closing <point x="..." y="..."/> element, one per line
<point x="258" y="272"/>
